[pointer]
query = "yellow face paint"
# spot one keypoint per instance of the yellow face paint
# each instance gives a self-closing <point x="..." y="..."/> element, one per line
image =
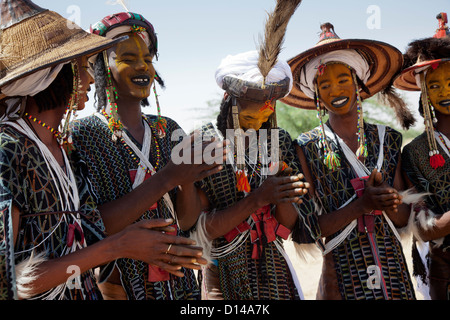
<point x="252" y="115"/>
<point x="85" y="82"/>
<point x="132" y="68"/>
<point x="438" y="87"/>
<point x="337" y="90"/>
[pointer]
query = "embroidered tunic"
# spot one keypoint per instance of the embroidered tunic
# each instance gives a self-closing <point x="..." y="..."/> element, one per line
<point x="250" y="271"/>
<point x="111" y="169"/>
<point x="345" y="271"/>
<point x="416" y="164"/>
<point x="26" y="183"/>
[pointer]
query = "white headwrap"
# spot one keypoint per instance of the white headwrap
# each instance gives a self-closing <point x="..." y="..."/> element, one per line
<point x="348" y="56"/>
<point x="244" y="66"/>
<point x="28" y="86"/>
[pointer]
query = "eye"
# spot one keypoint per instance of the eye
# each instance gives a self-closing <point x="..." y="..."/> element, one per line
<point x="325" y="86"/>
<point x="434" y="86"/>
<point x="343" y="81"/>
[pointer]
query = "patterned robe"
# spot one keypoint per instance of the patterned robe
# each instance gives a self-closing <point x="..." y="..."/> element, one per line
<point x="345" y="272"/>
<point x="25" y="182"/>
<point x="109" y="167"/>
<point x="416" y="164"/>
<point x="241" y="276"/>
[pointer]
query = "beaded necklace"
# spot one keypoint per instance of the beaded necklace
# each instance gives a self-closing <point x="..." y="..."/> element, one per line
<point x="65" y="142"/>
<point x="55" y="132"/>
<point x="132" y="153"/>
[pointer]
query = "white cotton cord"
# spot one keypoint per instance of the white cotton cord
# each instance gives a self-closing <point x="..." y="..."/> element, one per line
<point x="291" y="269"/>
<point x="67" y="194"/>
<point x="361" y="170"/>
<point x="144" y="161"/>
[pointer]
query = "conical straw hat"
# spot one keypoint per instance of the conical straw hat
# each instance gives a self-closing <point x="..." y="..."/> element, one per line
<point x="384" y="60"/>
<point x="33" y="38"/>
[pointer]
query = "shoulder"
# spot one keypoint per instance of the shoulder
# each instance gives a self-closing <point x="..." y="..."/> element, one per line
<point x="86" y="125"/>
<point x="417" y="145"/>
<point x="307" y="138"/>
<point x="13" y="142"/>
<point x="152" y="119"/>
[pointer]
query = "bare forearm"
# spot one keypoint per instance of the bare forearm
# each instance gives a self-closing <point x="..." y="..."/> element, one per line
<point x="122" y="212"/>
<point x="441" y="228"/>
<point x="54" y="272"/>
<point x="331" y="223"/>
<point x="189" y="206"/>
<point x="287" y="215"/>
<point x="400" y="217"/>
<point x="222" y="222"/>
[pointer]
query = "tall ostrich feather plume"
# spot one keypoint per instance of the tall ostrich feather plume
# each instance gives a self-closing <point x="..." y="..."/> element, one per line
<point x="275" y="29"/>
<point x="119" y="2"/>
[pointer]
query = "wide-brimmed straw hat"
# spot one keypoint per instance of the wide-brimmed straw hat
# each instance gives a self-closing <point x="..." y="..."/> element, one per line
<point x="33" y="38"/>
<point x="384" y="61"/>
<point x="427" y="58"/>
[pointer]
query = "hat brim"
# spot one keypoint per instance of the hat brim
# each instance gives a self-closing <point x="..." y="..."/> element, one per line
<point x="407" y="79"/>
<point x="385" y="62"/>
<point x="82" y="44"/>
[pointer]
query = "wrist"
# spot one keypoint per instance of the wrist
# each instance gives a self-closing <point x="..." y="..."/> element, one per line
<point x="169" y="178"/>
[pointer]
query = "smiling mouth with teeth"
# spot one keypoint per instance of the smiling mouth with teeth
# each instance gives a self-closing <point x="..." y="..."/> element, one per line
<point x="339" y="102"/>
<point x="445" y="103"/>
<point x="142" y="81"/>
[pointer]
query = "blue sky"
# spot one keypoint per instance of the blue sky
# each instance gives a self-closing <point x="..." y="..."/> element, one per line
<point x="194" y="36"/>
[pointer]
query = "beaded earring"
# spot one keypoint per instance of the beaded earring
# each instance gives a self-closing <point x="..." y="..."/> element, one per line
<point x="114" y="123"/>
<point x="436" y="159"/>
<point x="161" y="123"/>
<point x="241" y="173"/>
<point x="362" y="151"/>
<point x="331" y="158"/>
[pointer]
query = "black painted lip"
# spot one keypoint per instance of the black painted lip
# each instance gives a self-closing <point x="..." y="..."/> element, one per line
<point x="339" y="105"/>
<point x="445" y="103"/>
<point x="144" y="83"/>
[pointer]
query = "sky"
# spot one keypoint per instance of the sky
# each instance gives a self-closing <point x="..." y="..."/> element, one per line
<point x="194" y="36"/>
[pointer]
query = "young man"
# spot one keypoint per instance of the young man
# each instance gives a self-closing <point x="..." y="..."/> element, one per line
<point x="128" y="156"/>
<point x="353" y="168"/>
<point x="50" y="229"/>
<point x="426" y="160"/>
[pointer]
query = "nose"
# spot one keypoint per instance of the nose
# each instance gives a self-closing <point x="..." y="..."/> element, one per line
<point x="141" y="65"/>
<point x="336" y="90"/>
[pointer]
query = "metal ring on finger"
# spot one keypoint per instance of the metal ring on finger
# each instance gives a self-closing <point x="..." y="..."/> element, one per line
<point x="168" y="249"/>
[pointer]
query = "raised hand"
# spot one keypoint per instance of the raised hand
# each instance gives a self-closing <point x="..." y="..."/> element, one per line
<point x="192" y="161"/>
<point x="282" y="188"/>
<point x="379" y="195"/>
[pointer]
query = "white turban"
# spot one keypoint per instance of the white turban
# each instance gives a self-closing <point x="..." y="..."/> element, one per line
<point x="32" y="84"/>
<point x="347" y="56"/>
<point x="27" y="86"/>
<point x="244" y="66"/>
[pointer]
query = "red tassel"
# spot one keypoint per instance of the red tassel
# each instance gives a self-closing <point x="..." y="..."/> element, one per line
<point x="242" y="182"/>
<point x="437" y="161"/>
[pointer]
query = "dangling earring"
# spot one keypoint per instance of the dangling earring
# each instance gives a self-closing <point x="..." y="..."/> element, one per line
<point x="65" y="138"/>
<point x="331" y="158"/>
<point x="161" y="123"/>
<point x="436" y="159"/>
<point x="240" y="169"/>
<point x="362" y="151"/>
<point x="114" y="123"/>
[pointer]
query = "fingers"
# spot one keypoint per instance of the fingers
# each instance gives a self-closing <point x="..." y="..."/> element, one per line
<point x="155" y="224"/>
